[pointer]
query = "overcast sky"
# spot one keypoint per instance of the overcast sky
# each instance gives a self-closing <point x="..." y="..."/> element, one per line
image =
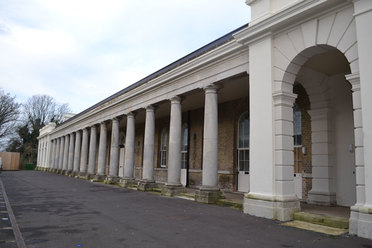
<point x="82" y="51"/>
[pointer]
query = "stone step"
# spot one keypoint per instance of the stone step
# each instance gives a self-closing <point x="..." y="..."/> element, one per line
<point x="315" y="227"/>
<point x="330" y="221"/>
<point x="230" y="203"/>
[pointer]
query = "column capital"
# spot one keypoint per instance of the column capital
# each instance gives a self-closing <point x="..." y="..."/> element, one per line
<point x="131" y="114"/>
<point x="150" y="108"/>
<point x="175" y="99"/>
<point x="354" y="80"/>
<point x="284" y="99"/>
<point x="212" y="88"/>
<point x="93" y="126"/>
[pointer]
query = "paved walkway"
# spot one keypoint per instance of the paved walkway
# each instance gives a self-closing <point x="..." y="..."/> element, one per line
<point x="58" y="211"/>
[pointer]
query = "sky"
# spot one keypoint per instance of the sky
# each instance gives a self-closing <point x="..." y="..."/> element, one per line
<point x="82" y="51"/>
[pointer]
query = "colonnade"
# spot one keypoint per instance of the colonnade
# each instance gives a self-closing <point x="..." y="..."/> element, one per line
<point x="75" y="153"/>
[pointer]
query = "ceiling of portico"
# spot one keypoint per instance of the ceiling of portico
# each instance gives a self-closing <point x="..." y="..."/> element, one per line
<point x="332" y="62"/>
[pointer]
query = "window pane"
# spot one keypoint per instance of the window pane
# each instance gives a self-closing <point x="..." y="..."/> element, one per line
<point x="243" y="138"/>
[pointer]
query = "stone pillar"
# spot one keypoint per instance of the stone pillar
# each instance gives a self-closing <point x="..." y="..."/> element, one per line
<point x="56" y="157"/>
<point x="71" y="150"/>
<point x="50" y="155"/>
<point x="147" y="182"/>
<point x="51" y="159"/>
<point x="65" y="154"/>
<point x="174" y="186"/>
<point x="61" y="148"/>
<point x="92" y="152"/>
<point x="361" y="215"/>
<point x="38" y="153"/>
<point x="128" y="179"/>
<point x="84" y="154"/>
<point x="101" y="171"/>
<point x="114" y="153"/>
<point x="323" y="190"/>
<point x="76" y="166"/>
<point x="209" y="191"/>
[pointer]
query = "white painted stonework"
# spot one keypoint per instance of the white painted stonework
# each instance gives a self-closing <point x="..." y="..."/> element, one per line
<point x="322" y="45"/>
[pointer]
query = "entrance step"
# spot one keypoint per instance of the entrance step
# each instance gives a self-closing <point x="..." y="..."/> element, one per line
<point x="316" y="228"/>
<point x="324" y="220"/>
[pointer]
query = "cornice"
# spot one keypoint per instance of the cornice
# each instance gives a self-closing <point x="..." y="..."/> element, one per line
<point x="298" y="12"/>
<point x="211" y="58"/>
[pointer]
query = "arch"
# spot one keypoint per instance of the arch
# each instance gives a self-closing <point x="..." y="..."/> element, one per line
<point x="294" y="47"/>
<point x="294" y="51"/>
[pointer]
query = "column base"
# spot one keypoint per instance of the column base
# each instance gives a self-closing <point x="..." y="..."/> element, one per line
<point x="270" y="207"/>
<point x="112" y="180"/>
<point x="322" y="198"/>
<point x="74" y="174"/>
<point x="63" y="172"/>
<point x="83" y="175"/>
<point x="146" y="185"/>
<point x="360" y="222"/>
<point x="173" y="190"/>
<point x="128" y="182"/>
<point x="58" y="171"/>
<point x="208" y="195"/>
<point x="98" y="178"/>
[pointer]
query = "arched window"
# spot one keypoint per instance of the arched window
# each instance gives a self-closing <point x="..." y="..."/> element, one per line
<point x="185" y="145"/>
<point x="163" y="147"/>
<point x="243" y="142"/>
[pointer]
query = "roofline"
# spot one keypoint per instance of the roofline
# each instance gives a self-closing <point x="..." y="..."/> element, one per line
<point x="210" y="46"/>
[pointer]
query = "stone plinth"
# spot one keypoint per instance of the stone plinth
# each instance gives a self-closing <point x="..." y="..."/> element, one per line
<point x="112" y="180"/>
<point x="271" y="207"/>
<point x="173" y="190"/>
<point x="128" y="182"/>
<point x="99" y="178"/>
<point x="146" y="185"/>
<point x="207" y="195"/>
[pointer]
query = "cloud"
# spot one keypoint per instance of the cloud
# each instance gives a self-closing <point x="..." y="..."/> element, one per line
<point x="82" y="51"/>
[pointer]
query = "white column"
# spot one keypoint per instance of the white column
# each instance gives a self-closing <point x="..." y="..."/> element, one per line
<point x="56" y="151"/>
<point x="361" y="216"/>
<point x="65" y="153"/>
<point x="71" y="149"/>
<point x="52" y="154"/>
<point x="61" y="147"/>
<point x="129" y="146"/>
<point x="84" y="153"/>
<point x="38" y="153"/>
<point x="354" y="80"/>
<point x="284" y="158"/>
<point x="114" y="150"/>
<point x="101" y="171"/>
<point x="92" y="151"/>
<point x="77" y="152"/>
<point x="210" y="138"/>
<point x="148" y="150"/>
<point x="323" y="183"/>
<point x="175" y="136"/>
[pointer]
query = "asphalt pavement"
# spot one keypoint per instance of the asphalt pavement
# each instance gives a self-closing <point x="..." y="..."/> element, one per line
<point x="55" y="211"/>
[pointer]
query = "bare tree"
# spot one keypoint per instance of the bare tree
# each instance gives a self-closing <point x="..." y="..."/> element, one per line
<point x="39" y="110"/>
<point x="9" y="113"/>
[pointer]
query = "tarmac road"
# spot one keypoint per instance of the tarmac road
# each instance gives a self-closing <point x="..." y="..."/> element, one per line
<point x="55" y="211"/>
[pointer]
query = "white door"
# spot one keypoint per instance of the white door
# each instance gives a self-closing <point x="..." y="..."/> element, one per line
<point x="121" y="162"/>
<point x="183" y="176"/>
<point x="243" y="181"/>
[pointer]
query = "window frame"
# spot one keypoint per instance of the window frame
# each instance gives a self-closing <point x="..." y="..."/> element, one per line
<point x="163" y="148"/>
<point x="242" y="151"/>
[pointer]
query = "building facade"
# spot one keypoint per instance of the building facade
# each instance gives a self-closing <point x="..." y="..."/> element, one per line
<point x="279" y="109"/>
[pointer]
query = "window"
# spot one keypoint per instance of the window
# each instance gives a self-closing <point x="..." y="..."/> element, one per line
<point x="243" y="142"/>
<point x="163" y="147"/>
<point x="184" y="146"/>
<point x="297" y="127"/>
<point x="297" y="138"/>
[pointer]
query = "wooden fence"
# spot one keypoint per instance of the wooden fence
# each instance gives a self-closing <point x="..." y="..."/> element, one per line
<point x="10" y="160"/>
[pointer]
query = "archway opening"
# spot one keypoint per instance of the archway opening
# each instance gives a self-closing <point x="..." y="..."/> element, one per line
<point x="324" y="156"/>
